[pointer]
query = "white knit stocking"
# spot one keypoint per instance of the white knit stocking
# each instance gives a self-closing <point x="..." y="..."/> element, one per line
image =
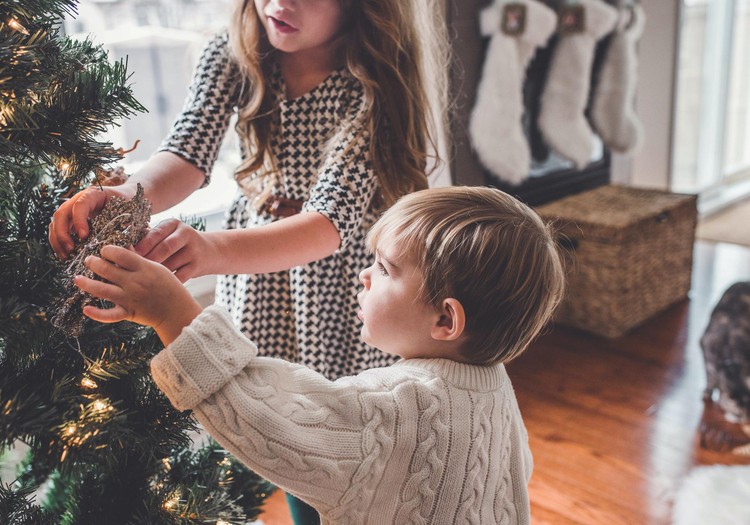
<point x="612" y="111"/>
<point x="562" y="120"/>
<point x="495" y="126"/>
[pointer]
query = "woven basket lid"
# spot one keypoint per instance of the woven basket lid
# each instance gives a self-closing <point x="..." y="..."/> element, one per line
<point x="613" y="212"/>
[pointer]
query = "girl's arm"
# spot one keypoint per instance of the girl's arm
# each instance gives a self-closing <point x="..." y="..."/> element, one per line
<point x="330" y="217"/>
<point x="186" y="157"/>
<point x="277" y="246"/>
<point x="274" y="247"/>
<point x="166" y="179"/>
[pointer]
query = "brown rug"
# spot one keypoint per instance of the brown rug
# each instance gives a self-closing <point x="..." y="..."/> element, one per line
<point x="731" y="225"/>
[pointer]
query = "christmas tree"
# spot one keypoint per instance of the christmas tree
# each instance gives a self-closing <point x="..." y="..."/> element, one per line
<point x="104" y="445"/>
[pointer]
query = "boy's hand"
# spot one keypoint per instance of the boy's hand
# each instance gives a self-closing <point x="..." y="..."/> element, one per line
<point x="182" y="249"/>
<point x="143" y="291"/>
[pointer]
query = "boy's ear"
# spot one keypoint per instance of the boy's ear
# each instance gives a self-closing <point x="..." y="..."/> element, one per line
<point x="451" y="321"/>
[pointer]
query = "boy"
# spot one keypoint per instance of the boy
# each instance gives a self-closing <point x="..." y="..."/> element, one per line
<point x="464" y="278"/>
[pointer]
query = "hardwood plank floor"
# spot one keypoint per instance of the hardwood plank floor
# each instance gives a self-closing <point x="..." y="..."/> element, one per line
<point x="613" y="423"/>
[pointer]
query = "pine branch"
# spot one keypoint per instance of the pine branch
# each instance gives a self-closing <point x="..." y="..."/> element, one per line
<point x="17" y="507"/>
<point x="97" y="426"/>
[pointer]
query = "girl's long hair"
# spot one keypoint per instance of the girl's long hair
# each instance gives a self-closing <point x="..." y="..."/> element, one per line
<point x="398" y="50"/>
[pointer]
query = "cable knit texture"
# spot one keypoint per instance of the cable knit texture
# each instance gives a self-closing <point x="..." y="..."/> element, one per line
<point x="425" y="441"/>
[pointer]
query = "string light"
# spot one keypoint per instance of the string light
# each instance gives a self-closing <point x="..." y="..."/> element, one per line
<point x="64" y="167"/>
<point x="71" y="429"/>
<point x="101" y="405"/>
<point x="15" y="24"/>
<point x="88" y="383"/>
<point x="5" y="113"/>
<point x="171" y="503"/>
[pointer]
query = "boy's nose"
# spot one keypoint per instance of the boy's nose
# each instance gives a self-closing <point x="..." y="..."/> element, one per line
<point x="364" y="277"/>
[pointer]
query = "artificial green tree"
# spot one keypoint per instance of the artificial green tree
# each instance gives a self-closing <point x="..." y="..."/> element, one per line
<point x="105" y="445"/>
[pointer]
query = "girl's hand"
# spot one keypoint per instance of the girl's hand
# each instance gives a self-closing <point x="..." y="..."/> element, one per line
<point x="182" y="249"/>
<point x="73" y="215"/>
<point x="144" y="292"/>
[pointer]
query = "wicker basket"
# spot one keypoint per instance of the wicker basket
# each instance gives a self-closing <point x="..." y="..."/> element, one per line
<point x="632" y="255"/>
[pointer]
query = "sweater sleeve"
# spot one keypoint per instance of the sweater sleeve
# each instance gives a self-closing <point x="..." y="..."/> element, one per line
<point x="313" y="437"/>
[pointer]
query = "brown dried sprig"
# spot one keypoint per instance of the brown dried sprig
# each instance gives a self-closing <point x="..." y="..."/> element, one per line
<point x="122" y="223"/>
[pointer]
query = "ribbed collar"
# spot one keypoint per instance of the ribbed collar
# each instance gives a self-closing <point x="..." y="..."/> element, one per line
<point x="474" y="377"/>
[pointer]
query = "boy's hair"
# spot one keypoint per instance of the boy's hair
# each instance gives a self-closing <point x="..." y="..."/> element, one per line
<point x="398" y="50"/>
<point x="489" y="251"/>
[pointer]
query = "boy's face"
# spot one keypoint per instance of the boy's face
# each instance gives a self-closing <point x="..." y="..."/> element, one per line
<point x="394" y="319"/>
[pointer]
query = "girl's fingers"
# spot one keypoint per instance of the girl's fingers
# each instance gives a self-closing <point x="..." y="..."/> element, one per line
<point x="88" y="202"/>
<point x="184" y="273"/>
<point x="106" y="315"/>
<point x="59" y="231"/>
<point x="155" y="245"/>
<point x="177" y="260"/>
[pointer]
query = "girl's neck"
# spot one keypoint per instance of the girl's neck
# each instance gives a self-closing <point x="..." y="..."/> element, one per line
<point x="303" y="71"/>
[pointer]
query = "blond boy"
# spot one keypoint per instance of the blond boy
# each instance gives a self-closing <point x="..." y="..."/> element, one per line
<point x="464" y="278"/>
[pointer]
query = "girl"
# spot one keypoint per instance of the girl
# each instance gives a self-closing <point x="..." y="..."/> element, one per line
<point x="332" y="105"/>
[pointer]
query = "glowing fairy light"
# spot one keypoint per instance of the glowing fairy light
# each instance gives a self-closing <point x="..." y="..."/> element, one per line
<point x="70" y="429"/>
<point x="15" y="24"/>
<point x="88" y="383"/>
<point x="64" y="167"/>
<point x="171" y="503"/>
<point x="101" y="405"/>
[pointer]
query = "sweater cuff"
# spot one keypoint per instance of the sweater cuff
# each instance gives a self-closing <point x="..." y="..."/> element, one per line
<point x="203" y="358"/>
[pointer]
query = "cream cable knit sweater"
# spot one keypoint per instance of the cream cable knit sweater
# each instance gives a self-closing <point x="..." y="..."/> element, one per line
<point x="425" y="441"/>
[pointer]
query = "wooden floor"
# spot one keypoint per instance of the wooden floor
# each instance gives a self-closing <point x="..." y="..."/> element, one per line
<point x="612" y="424"/>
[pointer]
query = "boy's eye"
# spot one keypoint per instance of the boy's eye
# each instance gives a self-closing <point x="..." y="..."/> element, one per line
<point x="382" y="269"/>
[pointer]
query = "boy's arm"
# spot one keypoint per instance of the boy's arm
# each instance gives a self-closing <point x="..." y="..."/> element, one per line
<point x="318" y="439"/>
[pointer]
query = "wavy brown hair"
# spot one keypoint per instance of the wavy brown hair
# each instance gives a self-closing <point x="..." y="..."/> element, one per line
<point x="398" y="50"/>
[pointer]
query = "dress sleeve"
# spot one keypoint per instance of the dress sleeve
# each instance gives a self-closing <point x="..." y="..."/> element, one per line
<point x="313" y="437"/>
<point x="346" y="184"/>
<point x="199" y="129"/>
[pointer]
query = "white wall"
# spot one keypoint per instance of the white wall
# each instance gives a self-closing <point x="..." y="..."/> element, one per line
<point x="651" y="165"/>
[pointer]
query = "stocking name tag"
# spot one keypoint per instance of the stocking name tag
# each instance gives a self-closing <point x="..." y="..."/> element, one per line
<point x="513" y="22"/>
<point x="571" y="19"/>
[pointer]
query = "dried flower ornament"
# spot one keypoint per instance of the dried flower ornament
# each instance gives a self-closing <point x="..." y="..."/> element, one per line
<point x="121" y="223"/>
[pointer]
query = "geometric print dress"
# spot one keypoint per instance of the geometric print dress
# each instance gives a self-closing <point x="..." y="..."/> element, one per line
<point x="307" y="314"/>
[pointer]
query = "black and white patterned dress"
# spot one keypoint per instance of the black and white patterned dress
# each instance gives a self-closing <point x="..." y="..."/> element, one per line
<point x="307" y="314"/>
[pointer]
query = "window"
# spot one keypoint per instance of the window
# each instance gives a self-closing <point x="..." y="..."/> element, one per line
<point x="161" y="40"/>
<point x="711" y="153"/>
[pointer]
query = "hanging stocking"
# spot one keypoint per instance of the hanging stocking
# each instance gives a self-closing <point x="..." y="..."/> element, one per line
<point x="562" y="120"/>
<point x="517" y="28"/>
<point x="612" y="111"/>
